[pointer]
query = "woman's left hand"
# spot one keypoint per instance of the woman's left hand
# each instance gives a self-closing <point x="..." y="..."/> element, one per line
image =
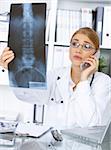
<point x="93" y="67"/>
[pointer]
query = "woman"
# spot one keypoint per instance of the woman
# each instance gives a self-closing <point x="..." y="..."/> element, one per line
<point x="77" y="95"/>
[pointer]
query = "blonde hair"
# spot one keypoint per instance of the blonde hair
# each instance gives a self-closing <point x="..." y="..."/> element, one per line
<point x="90" y="33"/>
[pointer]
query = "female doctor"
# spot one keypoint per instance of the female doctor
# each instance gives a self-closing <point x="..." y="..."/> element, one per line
<point x="77" y="95"/>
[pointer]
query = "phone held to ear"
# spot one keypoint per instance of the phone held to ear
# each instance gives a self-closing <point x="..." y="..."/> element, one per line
<point x="85" y="65"/>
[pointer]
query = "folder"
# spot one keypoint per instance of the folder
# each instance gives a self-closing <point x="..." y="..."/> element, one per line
<point x="99" y="22"/>
<point x="106" y="40"/>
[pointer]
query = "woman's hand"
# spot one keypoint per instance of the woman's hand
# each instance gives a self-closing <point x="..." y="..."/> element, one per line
<point x="92" y="68"/>
<point x="6" y="57"/>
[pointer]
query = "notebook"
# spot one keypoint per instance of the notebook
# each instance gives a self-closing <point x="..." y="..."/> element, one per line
<point x="95" y="134"/>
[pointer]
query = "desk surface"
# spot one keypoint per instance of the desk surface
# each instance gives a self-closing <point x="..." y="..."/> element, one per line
<point x="48" y="143"/>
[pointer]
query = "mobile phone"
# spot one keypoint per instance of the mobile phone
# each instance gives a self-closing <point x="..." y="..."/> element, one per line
<point x="85" y="65"/>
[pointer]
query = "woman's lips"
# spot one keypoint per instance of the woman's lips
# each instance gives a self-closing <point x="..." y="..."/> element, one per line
<point x="77" y="57"/>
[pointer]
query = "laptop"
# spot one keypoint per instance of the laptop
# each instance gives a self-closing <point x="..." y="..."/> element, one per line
<point x="95" y="134"/>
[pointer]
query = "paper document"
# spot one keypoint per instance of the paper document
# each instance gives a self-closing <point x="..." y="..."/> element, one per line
<point x="32" y="130"/>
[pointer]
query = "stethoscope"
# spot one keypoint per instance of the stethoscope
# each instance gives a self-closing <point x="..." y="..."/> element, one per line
<point x="58" y="99"/>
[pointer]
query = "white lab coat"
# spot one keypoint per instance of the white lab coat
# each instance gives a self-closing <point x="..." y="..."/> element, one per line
<point x="85" y="107"/>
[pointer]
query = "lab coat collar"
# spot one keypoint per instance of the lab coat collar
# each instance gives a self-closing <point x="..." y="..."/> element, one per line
<point x="63" y="82"/>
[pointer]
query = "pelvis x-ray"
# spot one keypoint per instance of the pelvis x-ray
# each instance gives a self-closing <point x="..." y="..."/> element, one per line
<point x="27" y="40"/>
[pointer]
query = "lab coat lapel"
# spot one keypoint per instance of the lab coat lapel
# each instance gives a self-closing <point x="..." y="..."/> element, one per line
<point x="62" y="84"/>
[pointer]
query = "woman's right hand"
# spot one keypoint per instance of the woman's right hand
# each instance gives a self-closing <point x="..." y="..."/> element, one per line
<point x="6" y="57"/>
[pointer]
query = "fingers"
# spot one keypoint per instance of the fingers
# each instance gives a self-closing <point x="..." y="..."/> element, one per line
<point x="96" y="61"/>
<point x="7" y="53"/>
<point x="9" y="59"/>
<point x="6" y="49"/>
<point x="93" y="62"/>
<point x="93" y="67"/>
<point x="6" y="57"/>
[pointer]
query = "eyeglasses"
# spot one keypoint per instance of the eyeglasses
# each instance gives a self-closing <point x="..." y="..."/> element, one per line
<point x="85" y="46"/>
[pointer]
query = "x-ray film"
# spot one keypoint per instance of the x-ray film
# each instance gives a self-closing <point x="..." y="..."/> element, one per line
<point x="27" y="40"/>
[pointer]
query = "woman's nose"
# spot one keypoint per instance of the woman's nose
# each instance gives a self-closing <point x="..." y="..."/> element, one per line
<point x="79" y="49"/>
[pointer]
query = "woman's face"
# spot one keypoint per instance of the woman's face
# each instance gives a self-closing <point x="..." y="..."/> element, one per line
<point x="81" y="47"/>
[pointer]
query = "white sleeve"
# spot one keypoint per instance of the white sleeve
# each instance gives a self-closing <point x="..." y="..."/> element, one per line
<point x="4" y="76"/>
<point x="90" y="102"/>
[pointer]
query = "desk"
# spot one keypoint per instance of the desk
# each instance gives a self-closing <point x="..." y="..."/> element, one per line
<point x="44" y="143"/>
